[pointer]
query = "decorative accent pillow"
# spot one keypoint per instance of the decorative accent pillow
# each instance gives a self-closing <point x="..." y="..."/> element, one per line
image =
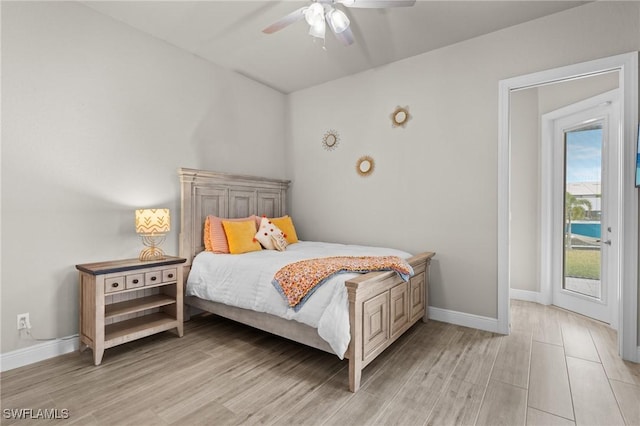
<point x="240" y="236"/>
<point x="215" y="239"/>
<point x="286" y="224"/>
<point x="270" y="236"/>
<point x="279" y="241"/>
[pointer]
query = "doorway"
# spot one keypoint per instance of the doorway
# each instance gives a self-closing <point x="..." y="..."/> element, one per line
<point x="580" y="199"/>
<point x="626" y="67"/>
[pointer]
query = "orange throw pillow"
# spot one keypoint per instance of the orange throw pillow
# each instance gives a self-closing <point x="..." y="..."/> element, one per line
<point x="215" y="239"/>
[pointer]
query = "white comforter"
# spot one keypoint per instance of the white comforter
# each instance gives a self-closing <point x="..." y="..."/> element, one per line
<point x="245" y="281"/>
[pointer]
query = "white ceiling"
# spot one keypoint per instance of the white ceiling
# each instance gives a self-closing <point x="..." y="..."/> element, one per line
<point x="229" y="33"/>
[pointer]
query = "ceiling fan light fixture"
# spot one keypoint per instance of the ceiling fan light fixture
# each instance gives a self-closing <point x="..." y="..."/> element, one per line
<point x="345" y="37"/>
<point x="338" y="21"/>
<point x="318" y="29"/>
<point x="322" y="12"/>
<point x="314" y="14"/>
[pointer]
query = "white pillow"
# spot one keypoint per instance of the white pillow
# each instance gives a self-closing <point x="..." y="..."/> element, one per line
<point x="270" y="236"/>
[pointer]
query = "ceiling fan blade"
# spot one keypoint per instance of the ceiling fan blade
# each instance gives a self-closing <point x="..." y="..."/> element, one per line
<point x="294" y="16"/>
<point x="345" y="37"/>
<point x="377" y="4"/>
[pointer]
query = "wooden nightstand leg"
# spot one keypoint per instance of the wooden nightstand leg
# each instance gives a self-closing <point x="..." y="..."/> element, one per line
<point x="97" y="356"/>
<point x="180" y="329"/>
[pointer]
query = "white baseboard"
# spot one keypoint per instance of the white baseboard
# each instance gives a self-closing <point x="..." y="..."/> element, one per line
<point x="464" y="319"/>
<point x="526" y="295"/>
<point x="38" y="352"/>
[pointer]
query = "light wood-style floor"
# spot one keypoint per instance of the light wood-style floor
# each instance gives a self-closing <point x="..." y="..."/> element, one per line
<point x="556" y="368"/>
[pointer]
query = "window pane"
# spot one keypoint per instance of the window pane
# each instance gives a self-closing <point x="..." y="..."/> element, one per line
<point x="582" y="210"/>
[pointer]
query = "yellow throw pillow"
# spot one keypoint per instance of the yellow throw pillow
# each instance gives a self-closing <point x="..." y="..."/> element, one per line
<point x="214" y="237"/>
<point x="286" y="225"/>
<point x="240" y="236"/>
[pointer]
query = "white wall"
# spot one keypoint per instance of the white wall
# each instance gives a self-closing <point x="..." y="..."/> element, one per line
<point x="525" y="191"/>
<point x="96" y="119"/>
<point x="555" y="96"/>
<point x="435" y="183"/>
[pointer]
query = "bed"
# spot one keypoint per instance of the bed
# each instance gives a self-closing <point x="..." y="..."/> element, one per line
<point x="381" y="305"/>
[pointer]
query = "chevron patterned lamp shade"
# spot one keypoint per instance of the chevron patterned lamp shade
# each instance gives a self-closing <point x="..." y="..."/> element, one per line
<point x="152" y="225"/>
<point x="153" y="221"/>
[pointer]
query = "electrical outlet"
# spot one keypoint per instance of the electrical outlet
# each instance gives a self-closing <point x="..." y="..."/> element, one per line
<point x="23" y="321"/>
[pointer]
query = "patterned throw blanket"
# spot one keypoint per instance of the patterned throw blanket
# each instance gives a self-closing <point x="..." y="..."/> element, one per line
<point x="297" y="281"/>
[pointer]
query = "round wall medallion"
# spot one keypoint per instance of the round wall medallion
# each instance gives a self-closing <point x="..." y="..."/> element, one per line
<point x="400" y="116"/>
<point x="365" y="165"/>
<point x="330" y="140"/>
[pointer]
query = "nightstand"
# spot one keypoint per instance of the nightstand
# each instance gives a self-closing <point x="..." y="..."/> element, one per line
<point x="125" y="300"/>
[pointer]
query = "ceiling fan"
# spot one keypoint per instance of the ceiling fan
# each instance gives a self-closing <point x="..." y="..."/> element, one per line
<point x="323" y="12"/>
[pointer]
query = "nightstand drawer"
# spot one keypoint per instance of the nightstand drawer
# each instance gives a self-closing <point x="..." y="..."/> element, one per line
<point x="135" y="281"/>
<point x="151" y="278"/>
<point x="169" y="275"/>
<point x="113" y="284"/>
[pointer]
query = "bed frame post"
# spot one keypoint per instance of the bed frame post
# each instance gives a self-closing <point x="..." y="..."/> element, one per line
<point x="185" y="240"/>
<point x="186" y="243"/>
<point x="354" y="352"/>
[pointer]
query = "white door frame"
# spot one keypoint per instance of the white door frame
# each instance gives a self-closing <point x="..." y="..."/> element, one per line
<point x="627" y="67"/>
<point x="606" y="107"/>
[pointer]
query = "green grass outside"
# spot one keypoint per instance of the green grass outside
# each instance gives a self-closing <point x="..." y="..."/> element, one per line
<point x="582" y="264"/>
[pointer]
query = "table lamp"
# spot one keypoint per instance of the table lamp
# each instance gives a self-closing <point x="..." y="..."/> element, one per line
<point x="152" y="225"/>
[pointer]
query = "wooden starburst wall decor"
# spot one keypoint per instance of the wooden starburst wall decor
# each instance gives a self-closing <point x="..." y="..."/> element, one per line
<point x="330" y="140"/>
<point x="400" y="116"/>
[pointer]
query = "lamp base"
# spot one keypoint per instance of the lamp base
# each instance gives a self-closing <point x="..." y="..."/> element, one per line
<point x="153" y="251"/>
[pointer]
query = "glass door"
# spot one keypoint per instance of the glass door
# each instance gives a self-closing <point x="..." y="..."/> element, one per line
<point x="582" y="256"/>
<point x="582" y="208"/>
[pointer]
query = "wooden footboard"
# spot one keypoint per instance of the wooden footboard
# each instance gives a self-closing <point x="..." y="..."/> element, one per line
<point x="381" y="308"/>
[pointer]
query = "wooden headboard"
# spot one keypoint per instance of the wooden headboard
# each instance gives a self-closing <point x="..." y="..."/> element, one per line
<point x="224" y="195"/>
